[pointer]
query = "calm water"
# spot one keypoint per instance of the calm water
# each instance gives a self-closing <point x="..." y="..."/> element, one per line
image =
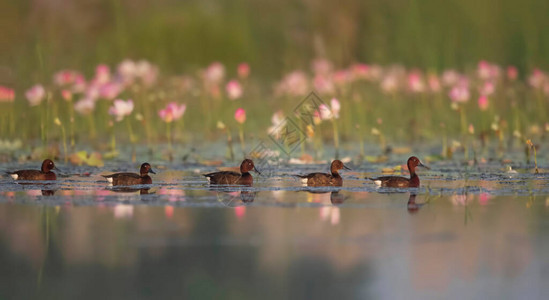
<point x="469" y="232"/>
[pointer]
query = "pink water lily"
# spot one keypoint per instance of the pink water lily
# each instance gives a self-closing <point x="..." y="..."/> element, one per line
<point x="234" y="89"/>
<point x="324" y="84"/>
<point x="537" y="79"/>
<point x="512" y="73"/>
<point x="415" y="82"/>
<point x="66" y="95"/>
<point x="102" y="74"/>
<point x="240" y="115"/>
<point x="487" y="89"/>
<point x="110" y="90"/>
<point x="66" y="77"/>
<point x="172" y="112"/>
<point x="336" y="107"/>
<point x="330" y="112"/>
<point x="460" y="92"/>
<point x="483" y="103"/>
<point x="360" y="71"/>
<point x="295" y="83"/>
<point x="243" y="70"/>
<point x="147" y="72"/>
<point x="6" y="94"/>
<point x="84" y="106"/>
<point x="325" y="112"/>
<point x="215" y="73"/>
<point x="35" y="94"/>
<point x="121" y="108"/>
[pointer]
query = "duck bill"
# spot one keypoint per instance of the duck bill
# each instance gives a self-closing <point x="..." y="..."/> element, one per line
<point x="424" y="166"/>
<point x="346" y="168"/>
<point x="56" y="169"/>
<point x="151" y="171"/>
<point x="257" y="171"/>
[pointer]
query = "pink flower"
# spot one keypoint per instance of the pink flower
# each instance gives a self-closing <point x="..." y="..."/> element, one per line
<point x="234" y="89"/>
<point x="35" y="94"/>
<point x="278" y="123"/>
<point x="389" y="84"/>
<point x="360" y="71"/>
<point x="293" y="84"/>
<point x="243" y="70"/>
<point x="65" y="77"/>
<point x="488" y="71"/>
<point x="537" y="79"/>
<point x="336" y="107"/>
<point x="325" y="112"/>
<point x="120" y="109"/>
<point x="460" y="92"/>
<point x="512" y="73"/>
<point x="330" y="112"/>
<point x="483" y="69"/>
<point x="172" y="112"/>
<point x="79" y="85"/>
<point x="127" y="69"/>
<point x="66" y="94"/>
<point x="85" y="106"/>
<point x="102" y="74"/>
<point x="323" y="84"/>
<point x="6" y="94"/>
<point x="240" y="115"/>
<point x="215" y="73"/>
<point x="450" y="77"/>
<point x="487" y="89"/>
<point x="110" y="90"/>
<point x="147" y="72"/>
<point x="415" y="82"/>
<point x="483" y="103"/>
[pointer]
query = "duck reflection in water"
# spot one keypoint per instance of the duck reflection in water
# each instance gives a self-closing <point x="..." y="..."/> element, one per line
<point x="234" y="198"/>
<point x="48" y="192"/>
<point x="142" y="191"/>
<point x="412" y="206"/>
<point x="39" y="188"/>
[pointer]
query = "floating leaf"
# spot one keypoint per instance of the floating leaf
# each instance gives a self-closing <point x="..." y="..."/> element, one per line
<point x="81" y="157"/>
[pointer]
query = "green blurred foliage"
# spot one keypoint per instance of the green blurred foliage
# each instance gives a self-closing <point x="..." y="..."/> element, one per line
<point x="39" y="37"/>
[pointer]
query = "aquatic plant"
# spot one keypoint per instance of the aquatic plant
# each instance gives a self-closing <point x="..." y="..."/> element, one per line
<point x="533" y="147"/>
<point x="240" y="117"/>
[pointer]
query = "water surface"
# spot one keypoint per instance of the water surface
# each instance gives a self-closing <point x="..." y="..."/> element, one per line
<point x="468" y="232"/>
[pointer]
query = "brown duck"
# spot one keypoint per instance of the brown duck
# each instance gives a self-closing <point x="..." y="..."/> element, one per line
<point x="230" y="177"/>
<point x="402" y="182"/>
<point x="132" y="178"/>
<point x="325" y="179"/>
<point x="45" y="172"/>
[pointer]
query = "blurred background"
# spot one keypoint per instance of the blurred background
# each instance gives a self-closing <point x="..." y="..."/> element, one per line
<point x="39" y="37"/>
